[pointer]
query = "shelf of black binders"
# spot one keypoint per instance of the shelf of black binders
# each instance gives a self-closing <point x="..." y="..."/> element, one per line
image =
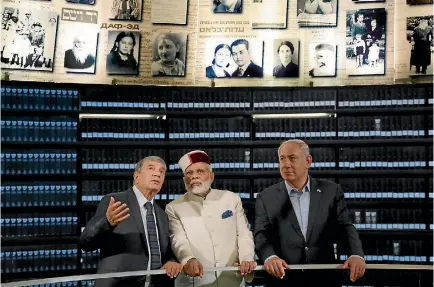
<point x="40" y="184"/>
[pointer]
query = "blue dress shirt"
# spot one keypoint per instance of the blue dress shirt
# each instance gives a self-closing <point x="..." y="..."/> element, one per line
<point x="300" y="201"/>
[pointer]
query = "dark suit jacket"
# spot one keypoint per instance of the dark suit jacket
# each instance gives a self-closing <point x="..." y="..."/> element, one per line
<point x="124" y="248"/>
<point x="252" y="70"/>
<point x="277" y="231"/>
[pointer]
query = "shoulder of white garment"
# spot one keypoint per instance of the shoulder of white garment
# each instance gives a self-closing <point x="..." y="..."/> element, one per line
<point x="179" y="199"/>
<point x="221" y="194"/>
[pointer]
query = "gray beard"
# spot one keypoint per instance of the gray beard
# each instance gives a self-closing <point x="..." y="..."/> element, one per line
<point x="200" y="190"/>
<point x="80" y="56"/>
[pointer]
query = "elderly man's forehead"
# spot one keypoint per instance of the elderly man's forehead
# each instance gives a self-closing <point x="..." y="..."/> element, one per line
<point x="196" y="165"/>
<point x="291" y="148"/>
<point x="154" y="163"/>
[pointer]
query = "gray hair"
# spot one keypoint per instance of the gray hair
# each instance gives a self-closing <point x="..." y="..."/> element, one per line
<point x="304" y="147"/>
<point x="147" y="159"/>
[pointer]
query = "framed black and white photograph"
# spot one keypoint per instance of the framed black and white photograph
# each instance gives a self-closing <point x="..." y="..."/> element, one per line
<point x="317" y="13"/>
<point x="28" y="39"/>
<point x="419" y="2"/>
<point x="80" y="48"/>
<point x="322" y="59"/>
<point x="169" y="53"/>
<point x="234" y="58"/>
<point x="228" y="6"/>
<point x="420" y="39"/>
<point x="88" y="2"/>
<point x="366" y="42"/>
<point x="126" y="10"/>
<point x="123" y="58"/>
<point x="286" y="58"/>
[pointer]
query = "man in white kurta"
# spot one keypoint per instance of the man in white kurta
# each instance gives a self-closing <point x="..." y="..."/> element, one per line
<point x="209" y="228"/>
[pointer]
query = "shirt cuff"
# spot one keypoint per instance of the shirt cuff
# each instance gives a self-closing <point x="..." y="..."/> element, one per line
<point x="357" y="256"/>
<point x="269" y="257"/>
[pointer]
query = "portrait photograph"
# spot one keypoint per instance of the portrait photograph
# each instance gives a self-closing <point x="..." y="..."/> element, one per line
<point x="366" y="42"/>
<point x="88" y="2"/>
<point x="419" y="2"/>
<point x="420" y="39"/>
<point x="227" y="6"/>
<point x="80" y="43"/>
<point x="169" y="53"/>
<point x="286" y="58"/>
<point x="322" y="59"/>
<point x="123" y="58"/>
<point x="28" y="39"/>
<point x="234" y="58"/>
<point x="317" y="13"/>
<point x="126" y="10"/>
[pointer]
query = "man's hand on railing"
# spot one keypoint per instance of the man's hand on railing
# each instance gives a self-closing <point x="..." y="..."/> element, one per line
<point x="172" y="268"/>
<point x="246" y="267"/>
<point x="276" y="267"/>
<point x="357" y="267"/>
<point x="193" y="268"/>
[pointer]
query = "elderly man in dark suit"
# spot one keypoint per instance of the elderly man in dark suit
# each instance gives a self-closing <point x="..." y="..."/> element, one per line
<point x="298" y="220"/>
<point x="241" y="55"/>
<point x="132" y="231"/>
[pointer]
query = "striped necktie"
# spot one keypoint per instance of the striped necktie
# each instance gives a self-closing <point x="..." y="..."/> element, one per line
<point x="154" y="248"/>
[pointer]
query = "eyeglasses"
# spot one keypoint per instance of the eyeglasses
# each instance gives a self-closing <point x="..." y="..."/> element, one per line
<point x="199" y="172"/>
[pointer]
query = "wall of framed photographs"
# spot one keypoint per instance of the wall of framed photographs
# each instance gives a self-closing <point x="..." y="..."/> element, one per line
<point x="218" y="42"/>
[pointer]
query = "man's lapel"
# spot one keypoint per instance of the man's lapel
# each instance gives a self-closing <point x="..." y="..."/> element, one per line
<point x="133" y="205"/>
<point x="287" y="207"/>
<point x="315" y="196"/>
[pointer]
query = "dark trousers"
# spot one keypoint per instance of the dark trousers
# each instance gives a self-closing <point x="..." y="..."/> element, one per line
<point x="423" y="69"/>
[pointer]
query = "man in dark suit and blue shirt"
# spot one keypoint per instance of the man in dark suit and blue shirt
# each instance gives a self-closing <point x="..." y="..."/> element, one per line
<point x="132" y="232"/>
<point x="241" y="56"/>
<point x="298" y="220"/>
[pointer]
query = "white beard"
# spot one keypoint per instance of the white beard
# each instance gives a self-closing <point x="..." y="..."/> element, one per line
<point x="200" y="190"/>
<point x="80" y="56"/>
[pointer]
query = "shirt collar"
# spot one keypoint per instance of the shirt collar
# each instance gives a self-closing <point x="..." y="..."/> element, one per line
<point x="210" y="196"/>
<point x="141" y="198"/>
<point x="306" y="188"/>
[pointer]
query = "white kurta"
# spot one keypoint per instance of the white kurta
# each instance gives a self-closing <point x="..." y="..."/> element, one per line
<point x="199" y="229"/>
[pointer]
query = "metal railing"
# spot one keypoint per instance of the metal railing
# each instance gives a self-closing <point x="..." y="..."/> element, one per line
<point x="211" y="269"/>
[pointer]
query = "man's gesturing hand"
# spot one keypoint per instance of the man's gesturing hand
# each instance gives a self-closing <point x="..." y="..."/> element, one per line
<point x="193" y="268"/>
<point x="276" y="267"/>
<point x="116" y="212"/>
